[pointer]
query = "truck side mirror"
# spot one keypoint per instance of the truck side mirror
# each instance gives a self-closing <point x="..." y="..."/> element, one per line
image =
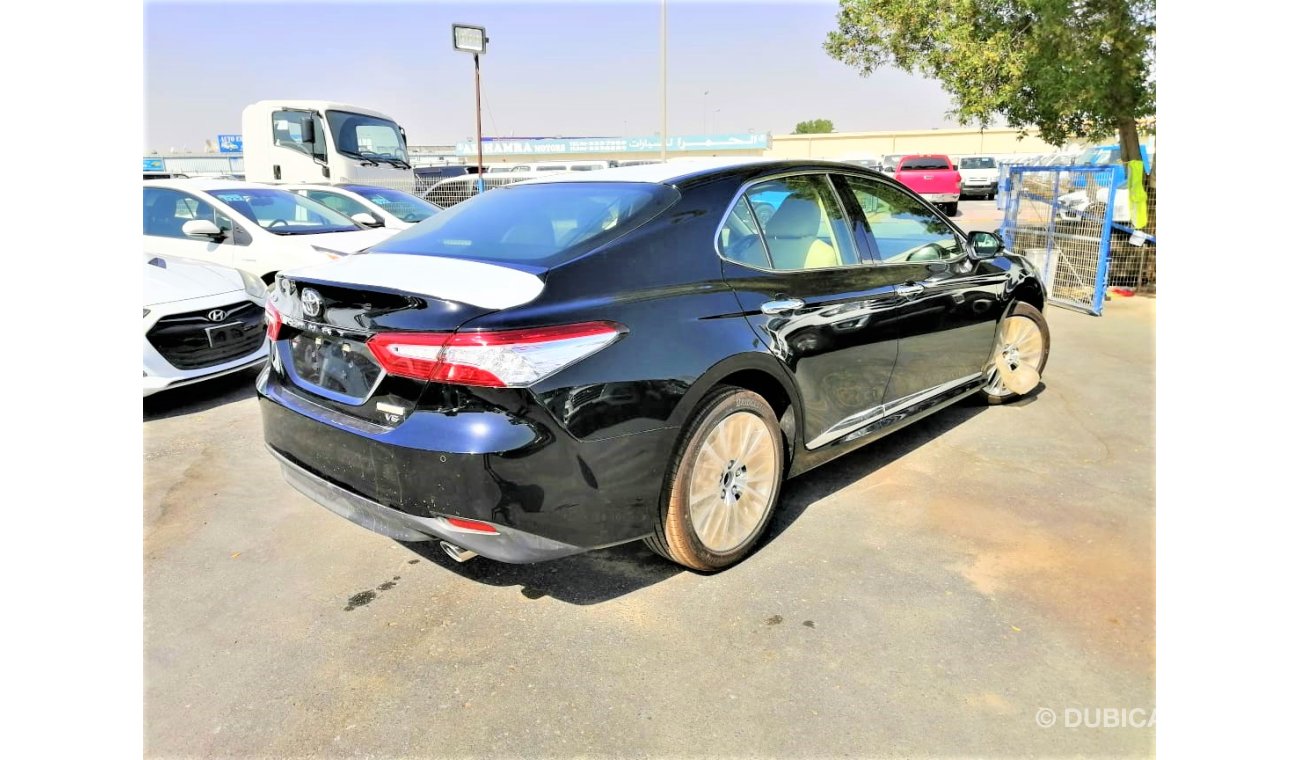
<point x="308" y="132"/>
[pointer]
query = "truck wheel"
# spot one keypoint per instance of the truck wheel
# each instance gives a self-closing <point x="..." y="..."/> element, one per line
<point x="1022" y="345"/>
<point x="723" y="485"/>
<point x="950" y="208"/>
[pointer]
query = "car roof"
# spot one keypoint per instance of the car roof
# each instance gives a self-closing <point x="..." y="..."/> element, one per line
<point x="205" y="184"/>
<point x="676" y="171"/>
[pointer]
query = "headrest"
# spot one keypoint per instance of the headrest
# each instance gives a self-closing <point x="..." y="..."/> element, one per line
<point x="796" y="218"/>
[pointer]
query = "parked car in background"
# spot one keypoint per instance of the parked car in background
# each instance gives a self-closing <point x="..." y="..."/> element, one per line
<point x="979" y="176"/>
<point x="428" y="176"/>
<point x="587" y="359"/>
<point x="933" y="178"/>
<point x="200" y="321"/>
<point x="259" y="229"/>
<point x="865" y="160"/>
<point x="889" y="163"/>
<point x="370" y="206"/>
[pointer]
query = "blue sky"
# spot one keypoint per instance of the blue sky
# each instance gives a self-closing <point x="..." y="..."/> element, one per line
<point x="589" y="68"/>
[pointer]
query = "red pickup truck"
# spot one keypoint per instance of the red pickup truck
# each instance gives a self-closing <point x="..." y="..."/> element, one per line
<point x="933" y="177"/>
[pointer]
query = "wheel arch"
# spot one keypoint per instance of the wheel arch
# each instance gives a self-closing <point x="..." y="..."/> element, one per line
<point x="759" y="373"/>
<point x="1030" y="291"/>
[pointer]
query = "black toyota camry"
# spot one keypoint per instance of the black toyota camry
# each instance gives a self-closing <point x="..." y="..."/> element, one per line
<point x="634" y="354"/>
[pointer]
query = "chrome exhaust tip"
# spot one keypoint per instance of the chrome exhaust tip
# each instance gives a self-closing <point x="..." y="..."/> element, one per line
<point x="457" y="553"/>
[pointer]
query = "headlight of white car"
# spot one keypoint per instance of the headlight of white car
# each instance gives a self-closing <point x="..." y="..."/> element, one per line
<point x="253" y="286"/>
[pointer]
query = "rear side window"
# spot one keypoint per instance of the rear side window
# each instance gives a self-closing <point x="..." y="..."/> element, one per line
<point x="923" y="164"/>
<point x="543" y="224"/>
<point x="789" y="223"/>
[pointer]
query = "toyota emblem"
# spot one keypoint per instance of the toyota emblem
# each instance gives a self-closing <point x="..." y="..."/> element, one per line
<point x="310" y="302"/>
<point x="217" y="315"/>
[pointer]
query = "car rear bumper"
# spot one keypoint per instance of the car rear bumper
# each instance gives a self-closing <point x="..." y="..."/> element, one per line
<point x="507" y="545"/>
<point x="941" y="197"/>
<point x="547" y="493"/>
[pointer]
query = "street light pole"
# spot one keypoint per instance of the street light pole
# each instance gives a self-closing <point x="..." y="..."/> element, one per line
<point x="663" y="80"/>
<point x="478" y="123"/>
<point x="473" y="39"/>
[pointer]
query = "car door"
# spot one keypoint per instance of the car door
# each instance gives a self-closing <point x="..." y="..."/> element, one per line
<point x="802" y="286"/>
<point x="166" y="211"/>
<point x="951" y="303"/>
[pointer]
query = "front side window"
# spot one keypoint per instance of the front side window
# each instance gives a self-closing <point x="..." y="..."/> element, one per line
<point x="800" y="223"/>
<point x="300" y="131"/>
<point x="283" y="213"/>
<point x="545" y="224"/>
<point x="368" y="137"/>
<point x="166" y="211"/>
<point x="904" y="230"/>
<point x="402" y="205"/>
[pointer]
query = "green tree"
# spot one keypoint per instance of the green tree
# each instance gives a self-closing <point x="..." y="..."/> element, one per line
<point x="814" y="127"/>
<point x="1072" y="68"/>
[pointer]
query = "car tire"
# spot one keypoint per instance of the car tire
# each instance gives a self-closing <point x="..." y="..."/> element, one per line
<point x="1022" y="323"/>
<point x="950" y="209"/>
<point x="733" y="448"/>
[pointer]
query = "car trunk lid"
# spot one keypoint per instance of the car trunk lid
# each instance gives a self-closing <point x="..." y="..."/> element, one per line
<point x="329" y="313"/>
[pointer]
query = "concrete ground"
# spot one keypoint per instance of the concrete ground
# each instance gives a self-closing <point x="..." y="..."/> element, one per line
<point x="927" y="596"/>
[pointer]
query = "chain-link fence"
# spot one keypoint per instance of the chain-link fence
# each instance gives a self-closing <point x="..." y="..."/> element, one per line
<point x="1075" y="224"/>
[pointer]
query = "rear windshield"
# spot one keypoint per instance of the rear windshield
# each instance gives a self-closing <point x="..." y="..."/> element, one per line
<point x="924" y="163"/>
<point x="978" y="163"/>
<point x="543" y="224"/>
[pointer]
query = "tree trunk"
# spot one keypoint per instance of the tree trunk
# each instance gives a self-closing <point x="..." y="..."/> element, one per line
<point x="1129" y="146"/>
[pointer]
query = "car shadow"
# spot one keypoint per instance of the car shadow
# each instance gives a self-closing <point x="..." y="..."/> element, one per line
<point x="582" y="579"/>
<point x="200" y="397"/>
<point x="803" y="491"/>
<point x="606" y="574"/>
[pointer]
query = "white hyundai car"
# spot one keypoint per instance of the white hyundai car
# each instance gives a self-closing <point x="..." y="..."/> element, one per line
<point x="256" y="228"/>
<point x="369" y="205"/>
<point x="200" y="321"/>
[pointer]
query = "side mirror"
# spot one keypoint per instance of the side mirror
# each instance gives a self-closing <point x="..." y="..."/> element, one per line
<point x="365" y="219"/>
<point x="986" y="245"/>
<point x="308" y="133"/>
<point x="201" y="228"/>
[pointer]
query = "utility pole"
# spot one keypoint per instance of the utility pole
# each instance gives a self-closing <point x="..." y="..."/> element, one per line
<point x="663" y="80"/>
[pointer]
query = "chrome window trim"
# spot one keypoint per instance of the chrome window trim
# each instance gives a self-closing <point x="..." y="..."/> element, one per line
<point x="957" y="231"/>
<point x="717" y="233"/>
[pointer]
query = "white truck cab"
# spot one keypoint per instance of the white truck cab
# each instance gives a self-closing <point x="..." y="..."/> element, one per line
<point x="323" y="141"/>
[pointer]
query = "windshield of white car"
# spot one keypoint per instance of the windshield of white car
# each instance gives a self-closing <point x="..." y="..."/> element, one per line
<point x="978" y="163"/>
<point x="406" y="207"/>
<point x="368" y="138"/>
<point x="282" y="212"/>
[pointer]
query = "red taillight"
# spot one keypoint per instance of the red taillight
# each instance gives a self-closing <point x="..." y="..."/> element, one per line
<point x="499" y="359"/>
<point x="408" y="354"/>
<point x="470" y="525"/>
<point x="272" y="321"/>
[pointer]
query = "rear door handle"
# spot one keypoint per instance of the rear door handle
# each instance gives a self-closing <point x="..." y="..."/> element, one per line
<point x="910" y="290"/>
<point x="782" y="306"/>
